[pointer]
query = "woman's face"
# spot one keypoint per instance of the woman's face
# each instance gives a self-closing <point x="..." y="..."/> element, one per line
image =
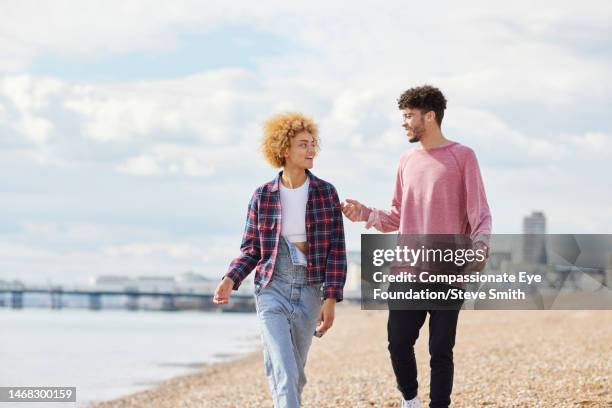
<point x="301" y="152"/>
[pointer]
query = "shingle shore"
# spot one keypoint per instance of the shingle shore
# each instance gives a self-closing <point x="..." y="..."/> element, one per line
<point x="502" y="359"/>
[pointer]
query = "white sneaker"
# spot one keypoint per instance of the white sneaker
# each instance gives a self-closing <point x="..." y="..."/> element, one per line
<point x="413" y="403"/>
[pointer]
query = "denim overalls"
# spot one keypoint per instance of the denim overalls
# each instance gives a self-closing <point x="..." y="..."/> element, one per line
<point x="288" y="310"/>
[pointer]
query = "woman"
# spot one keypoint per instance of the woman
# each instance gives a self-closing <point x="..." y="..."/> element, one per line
<point x="294" y="238"/>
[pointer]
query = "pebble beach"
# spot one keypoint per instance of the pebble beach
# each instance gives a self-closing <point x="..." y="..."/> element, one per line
<point x="502" y="359"/>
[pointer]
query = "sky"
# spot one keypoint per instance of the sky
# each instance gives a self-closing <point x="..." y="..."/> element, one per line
<point x="129" y="131"/>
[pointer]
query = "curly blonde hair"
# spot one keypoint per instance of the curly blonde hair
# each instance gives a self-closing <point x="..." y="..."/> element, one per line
<point x="278" y="132"/>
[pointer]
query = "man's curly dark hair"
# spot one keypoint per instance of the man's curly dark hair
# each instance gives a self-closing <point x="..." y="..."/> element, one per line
<point x="427" y="98"/>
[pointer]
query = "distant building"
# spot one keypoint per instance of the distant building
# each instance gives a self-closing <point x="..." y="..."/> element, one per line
<point x="139" y="284"/>
<point x="155" y="283"/>
<point x="111" y="282"/>
<point x="188" y="282"/>
<point x="534" y="238"/>
<point x="14" y="284"/>
<point x="499" y="260"/>
<point x="534" y="223"/>
<point x="191" y="282"/>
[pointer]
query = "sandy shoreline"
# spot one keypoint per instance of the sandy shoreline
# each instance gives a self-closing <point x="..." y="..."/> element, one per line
<point x="502" y="359"/>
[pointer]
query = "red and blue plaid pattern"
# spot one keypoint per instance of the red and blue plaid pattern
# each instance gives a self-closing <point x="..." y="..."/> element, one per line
<point x="324" y="232"/>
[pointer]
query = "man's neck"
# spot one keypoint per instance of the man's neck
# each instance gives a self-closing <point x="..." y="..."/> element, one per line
<point x="293" y="177"/>
<point x="434" y="139"/>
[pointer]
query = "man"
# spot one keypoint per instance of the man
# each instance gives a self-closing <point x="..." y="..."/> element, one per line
<point x="438" y="190"/>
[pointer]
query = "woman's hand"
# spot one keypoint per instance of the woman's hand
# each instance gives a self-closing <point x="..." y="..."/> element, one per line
<point x="223" y="291"/>
<point x="326" y="315"/>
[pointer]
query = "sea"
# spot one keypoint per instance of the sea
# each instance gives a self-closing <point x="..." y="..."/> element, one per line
<point x="108" y="354"/>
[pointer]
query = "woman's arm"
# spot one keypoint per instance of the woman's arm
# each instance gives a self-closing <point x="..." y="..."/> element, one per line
<point x="335" y="271"/>
<point x="250" y="251"/>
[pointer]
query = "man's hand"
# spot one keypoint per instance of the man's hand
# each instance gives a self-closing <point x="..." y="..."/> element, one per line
<point x="352" y="209"/>
<point x="326" y="315"/>
<point x="223" y="291"/>
<point x="478" y="266"/>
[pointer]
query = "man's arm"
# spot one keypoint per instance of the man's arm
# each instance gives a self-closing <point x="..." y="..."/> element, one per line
<point x="479" y="215"/>
<point x="382" y="220"/>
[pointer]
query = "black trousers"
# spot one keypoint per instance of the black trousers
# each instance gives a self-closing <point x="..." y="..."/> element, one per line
<point x="403" y="330"/>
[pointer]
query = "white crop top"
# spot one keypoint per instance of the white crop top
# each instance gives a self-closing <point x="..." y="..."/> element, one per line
<point x="293" y="211"/>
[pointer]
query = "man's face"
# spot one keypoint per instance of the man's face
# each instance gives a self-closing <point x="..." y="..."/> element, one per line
<point x="301" y="152"/>
<point x="414" y="123"/>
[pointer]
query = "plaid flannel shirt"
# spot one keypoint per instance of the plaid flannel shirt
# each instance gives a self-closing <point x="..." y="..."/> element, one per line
<point x="324" y="232"/>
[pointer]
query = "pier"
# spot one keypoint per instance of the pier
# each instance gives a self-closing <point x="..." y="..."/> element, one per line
<point x="168" y="301"/>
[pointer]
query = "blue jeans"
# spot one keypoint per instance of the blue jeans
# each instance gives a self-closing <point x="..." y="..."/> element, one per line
<point x="288" y="310"/>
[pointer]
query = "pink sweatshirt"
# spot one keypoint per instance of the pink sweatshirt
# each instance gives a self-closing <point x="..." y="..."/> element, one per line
<point x="437" y="191"/>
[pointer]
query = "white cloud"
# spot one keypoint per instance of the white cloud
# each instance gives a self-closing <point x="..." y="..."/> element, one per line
<point x="598" y="144"/>
<point x="191" y="161"/>
<point x="62" y="233"/>
<point x="141" y="166"/>
<point x="492" y="136"/>
<point x="173" y="250"/>
<point x="25" y="102"/>
<point x="35" y="129"/>
<point x="27" y="93"/>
